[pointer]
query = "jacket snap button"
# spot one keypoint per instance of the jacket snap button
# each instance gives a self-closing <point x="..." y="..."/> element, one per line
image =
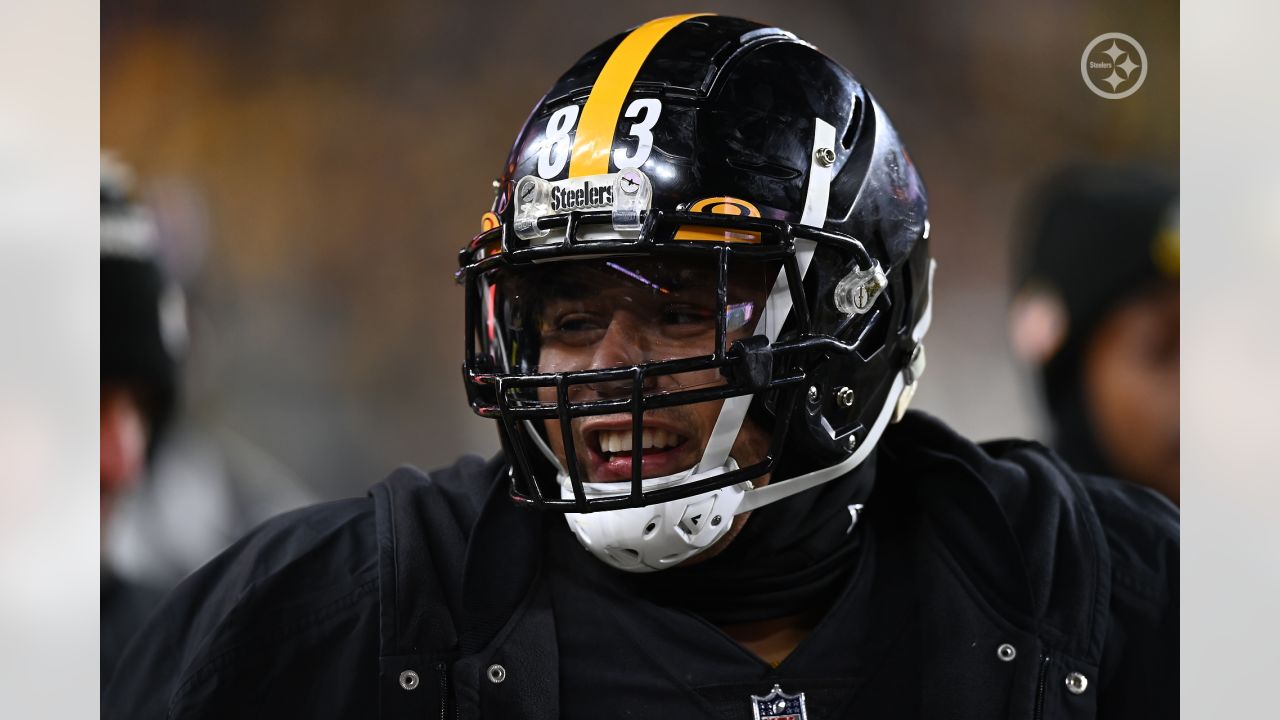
<point x="497" y="673"/>
<point x="408" y="679"/>
<point x="1076" y="683"/>
<point x="1006" y="652"/>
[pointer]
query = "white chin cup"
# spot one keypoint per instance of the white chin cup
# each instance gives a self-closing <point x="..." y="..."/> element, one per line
<point x="655" y="537"/>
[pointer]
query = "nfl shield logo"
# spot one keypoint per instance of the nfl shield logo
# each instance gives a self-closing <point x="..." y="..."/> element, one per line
<point x="777" y="705"/>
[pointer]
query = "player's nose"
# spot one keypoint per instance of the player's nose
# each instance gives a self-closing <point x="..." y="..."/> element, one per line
<point x="625" y="344"/>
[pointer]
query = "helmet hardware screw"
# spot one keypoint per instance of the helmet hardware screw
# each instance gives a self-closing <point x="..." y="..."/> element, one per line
<point x="844" y="396"/>
<point x="630" y="183"/>
<point x="813" y="395"/>
<point x="850" y="443"/>
<point x="867" y="291"/>
<point x="825" y="157"/>
<point x="715" y="520"/>
<point x="857" y="291"/>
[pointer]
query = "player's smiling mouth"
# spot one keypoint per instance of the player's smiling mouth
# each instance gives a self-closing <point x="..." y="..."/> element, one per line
<point x="609" y="442"/>
<point x="610" y="445"/>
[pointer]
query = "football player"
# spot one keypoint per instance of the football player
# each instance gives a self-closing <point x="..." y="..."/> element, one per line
<point x="696" y="314"/>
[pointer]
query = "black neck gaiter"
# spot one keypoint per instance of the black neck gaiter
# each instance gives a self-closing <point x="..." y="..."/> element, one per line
<point x="792" y="556"/>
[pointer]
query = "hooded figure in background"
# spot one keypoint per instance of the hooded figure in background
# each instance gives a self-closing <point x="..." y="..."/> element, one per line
<point x="1097" y="313"/>
<point x="143" y="334"/>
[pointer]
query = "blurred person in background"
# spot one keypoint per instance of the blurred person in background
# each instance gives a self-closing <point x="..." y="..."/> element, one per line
<point x="696" y="314"/>
<point x="143" y="335"/>
<point x="208" y="484"/>
<point x="204" y="485"/>
<point x="1096" y="312"/>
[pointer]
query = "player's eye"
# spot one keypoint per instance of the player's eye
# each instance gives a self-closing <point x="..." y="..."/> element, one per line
<point x="576" y="328"/>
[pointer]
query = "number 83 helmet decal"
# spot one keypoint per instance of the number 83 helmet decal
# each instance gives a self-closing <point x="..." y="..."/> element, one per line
<point x="702" y="286"/>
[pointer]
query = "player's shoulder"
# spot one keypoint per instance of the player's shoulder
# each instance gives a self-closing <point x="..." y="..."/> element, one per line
<point x="1143" y="537"/>
<point x="1026" y="526"/>
<point x="1034" y="488"/>
<point x="1140" y="526"/>
<point x="232" y="623"/>
<point x="326" y="551"/>
<point x="298" y="592"/>
<point x="454" y="494"/>
<point x="1020" y="480"/>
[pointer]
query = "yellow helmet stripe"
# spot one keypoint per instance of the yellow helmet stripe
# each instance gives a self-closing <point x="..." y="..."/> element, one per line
<point x="594" y="138"/>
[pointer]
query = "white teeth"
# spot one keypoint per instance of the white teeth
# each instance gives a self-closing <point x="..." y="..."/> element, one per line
<point x="615" y="441"/>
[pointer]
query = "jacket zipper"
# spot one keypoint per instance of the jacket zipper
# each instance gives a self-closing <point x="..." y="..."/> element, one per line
<point x="1040" y="687"/>
<point x="443" y="669"/>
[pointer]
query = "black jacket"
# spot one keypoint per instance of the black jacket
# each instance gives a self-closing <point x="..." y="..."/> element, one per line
<point x="397" y="605"/>
<point x="124" y="606"/>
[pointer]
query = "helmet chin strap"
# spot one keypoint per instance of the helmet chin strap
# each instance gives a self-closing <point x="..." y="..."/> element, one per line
<point x="778" y="305"/>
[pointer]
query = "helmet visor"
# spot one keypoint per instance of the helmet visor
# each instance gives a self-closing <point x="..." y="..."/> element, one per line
<point x="621" y="342"/>
<point x="620" y="312"/>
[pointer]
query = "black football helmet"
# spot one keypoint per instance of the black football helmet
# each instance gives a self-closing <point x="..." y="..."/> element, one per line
<point x="702" y="153"/>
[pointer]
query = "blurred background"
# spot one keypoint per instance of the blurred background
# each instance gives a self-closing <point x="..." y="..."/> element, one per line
<point x="314" y="167"/>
